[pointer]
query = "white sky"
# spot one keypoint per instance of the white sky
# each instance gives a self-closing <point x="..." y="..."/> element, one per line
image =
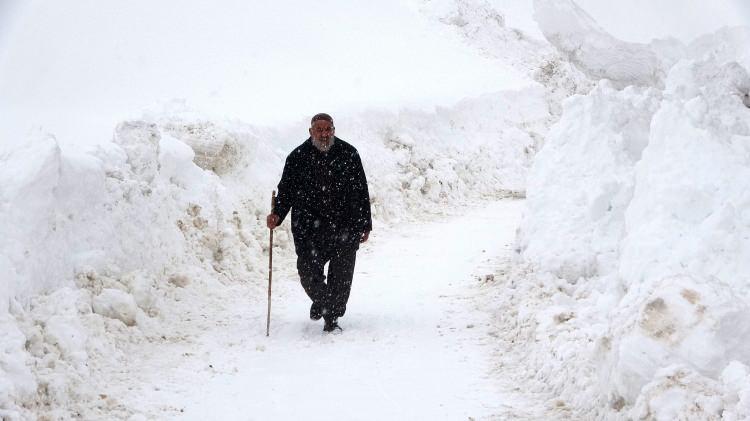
<point x="71" y="65"/>
<point x="76" y="68"/>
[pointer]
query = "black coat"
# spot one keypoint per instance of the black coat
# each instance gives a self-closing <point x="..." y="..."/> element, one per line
<point x="328" y="196"/>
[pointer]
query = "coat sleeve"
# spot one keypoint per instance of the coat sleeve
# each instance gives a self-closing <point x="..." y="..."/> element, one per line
<point x="287" y="189"/>
<point x="362" y="194"/>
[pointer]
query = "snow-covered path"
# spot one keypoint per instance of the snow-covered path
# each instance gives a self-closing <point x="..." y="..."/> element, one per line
<point x="415" y="343"/>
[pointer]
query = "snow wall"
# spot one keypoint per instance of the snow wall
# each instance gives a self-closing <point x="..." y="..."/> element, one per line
<point x="100" y="250"/>
<point x="637" y="225"/>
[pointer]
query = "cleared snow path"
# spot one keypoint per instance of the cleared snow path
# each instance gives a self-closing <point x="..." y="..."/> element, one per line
<point x="415" y="343"/>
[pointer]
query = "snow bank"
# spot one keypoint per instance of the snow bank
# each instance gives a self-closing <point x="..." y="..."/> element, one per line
<point x="104" y="250"/>
<point x="595" y="52"/>
<point x="693" y="168"/>
<point x="688" y="220"/>
<point x="637" y="227"/>
<point x="485" y="28"/>
<point x="596" y="144"/>
<point x="421" y="160"/>
<point x="83" y="231"/>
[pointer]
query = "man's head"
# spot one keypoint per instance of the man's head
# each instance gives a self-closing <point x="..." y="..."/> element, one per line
<point x="322" y="131"/>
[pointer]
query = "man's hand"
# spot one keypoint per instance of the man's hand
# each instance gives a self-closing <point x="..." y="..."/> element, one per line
<point x="272" y="221"/>
<point x="365" y="236"/>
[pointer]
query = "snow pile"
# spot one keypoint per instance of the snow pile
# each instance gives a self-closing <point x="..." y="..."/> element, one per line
<point x="104" y="250"/>
<point x="100" y="236"/>
<point x="485" y="28"/>
<point x="688" y="232"/>
<point x="596" y="144"/>
<point x="595" y="52"/>
<point x="473" y="150"/>
<point x="637" y="226"/>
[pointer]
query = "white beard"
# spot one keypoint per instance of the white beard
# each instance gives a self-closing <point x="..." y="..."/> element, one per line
<point x="323" y="147"/>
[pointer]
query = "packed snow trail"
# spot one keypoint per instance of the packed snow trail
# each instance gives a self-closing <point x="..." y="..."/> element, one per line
<point x="414" y="345"/>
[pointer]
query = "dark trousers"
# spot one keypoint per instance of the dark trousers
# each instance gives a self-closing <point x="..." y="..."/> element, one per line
<point x="334" y="294"/>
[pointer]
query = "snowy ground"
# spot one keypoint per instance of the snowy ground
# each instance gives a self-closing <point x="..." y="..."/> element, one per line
<point x="418" y="342"/>
<point x="132" y="269"/>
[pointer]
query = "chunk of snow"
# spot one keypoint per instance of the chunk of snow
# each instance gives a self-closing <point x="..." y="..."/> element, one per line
<point x="116" y="304"/>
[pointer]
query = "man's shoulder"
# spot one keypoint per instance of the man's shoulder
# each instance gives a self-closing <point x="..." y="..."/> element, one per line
<point x="300" y="150"/>
<point x="346" y="147"/>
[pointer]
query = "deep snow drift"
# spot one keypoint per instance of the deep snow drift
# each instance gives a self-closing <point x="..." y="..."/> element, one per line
<point x="637" y="225"/>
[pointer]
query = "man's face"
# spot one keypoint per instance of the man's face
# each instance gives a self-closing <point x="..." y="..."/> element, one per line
<point x="322" y="131"/>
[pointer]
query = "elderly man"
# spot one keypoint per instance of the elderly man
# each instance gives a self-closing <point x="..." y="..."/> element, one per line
<point x="324" y="185"/>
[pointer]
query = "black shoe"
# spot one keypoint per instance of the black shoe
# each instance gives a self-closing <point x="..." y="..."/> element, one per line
<point x="317" y="311"/>
<point x="331" y="325"/>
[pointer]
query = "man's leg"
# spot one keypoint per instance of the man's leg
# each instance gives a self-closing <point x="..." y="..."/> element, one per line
<point x="340" y="273"/>
<point x="310" y="268"/>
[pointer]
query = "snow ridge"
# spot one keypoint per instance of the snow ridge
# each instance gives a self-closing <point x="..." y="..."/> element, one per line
<point x="595" y="52"/>
<point x="634" y="232"/>
<point x="485" y="28"/>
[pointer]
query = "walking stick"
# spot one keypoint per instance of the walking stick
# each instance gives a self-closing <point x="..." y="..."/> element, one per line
<point x="270" y="265"/>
